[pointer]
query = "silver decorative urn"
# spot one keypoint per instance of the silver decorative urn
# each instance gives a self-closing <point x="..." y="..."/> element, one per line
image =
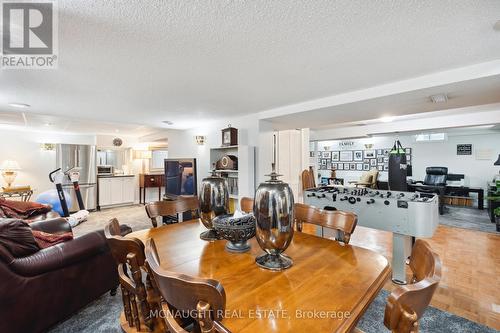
<point x="214" y="201"/>
<point x="273" y="210"/>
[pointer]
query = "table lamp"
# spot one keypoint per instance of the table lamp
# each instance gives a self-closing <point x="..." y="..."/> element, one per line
<point x="143" y="155"/>
<point x="9" y="171"/>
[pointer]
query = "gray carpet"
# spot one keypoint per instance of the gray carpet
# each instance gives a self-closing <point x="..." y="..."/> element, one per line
<point x="467" y="218"/>
<point x="102" y="316"/>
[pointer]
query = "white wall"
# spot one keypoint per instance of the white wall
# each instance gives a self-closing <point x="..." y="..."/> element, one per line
<point x="477" y="172"/>
<point x="23" y="146"/>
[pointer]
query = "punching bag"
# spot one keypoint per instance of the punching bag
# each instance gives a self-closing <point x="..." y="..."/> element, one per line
<point x="398" y="169"/>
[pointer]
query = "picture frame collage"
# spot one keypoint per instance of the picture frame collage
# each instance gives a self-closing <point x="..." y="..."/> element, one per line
<point x="358" y="160"/>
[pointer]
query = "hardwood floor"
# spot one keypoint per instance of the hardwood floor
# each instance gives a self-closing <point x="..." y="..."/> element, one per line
<point x="470" y="286"/>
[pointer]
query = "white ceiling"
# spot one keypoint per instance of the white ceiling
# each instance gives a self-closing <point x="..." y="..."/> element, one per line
<point x="141" y="62"/>
<point x="417" y="102"/>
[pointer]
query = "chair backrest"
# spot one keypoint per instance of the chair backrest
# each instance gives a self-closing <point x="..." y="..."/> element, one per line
<point x="343" y="222"/>
<point x="171" y="207"/>
<point x="123" y="248"/>
<point x="436" y="176"/>
<point x="203" y="298"/>
<point x="374" y="173"/>
<point x="406" y="304"/>
<point x="307" y="180"/>
<point x="246" y="205"/>
<point x="130" y="258"/>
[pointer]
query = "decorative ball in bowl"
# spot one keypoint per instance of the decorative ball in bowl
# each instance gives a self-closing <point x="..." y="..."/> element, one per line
<point x="237" y="230"/>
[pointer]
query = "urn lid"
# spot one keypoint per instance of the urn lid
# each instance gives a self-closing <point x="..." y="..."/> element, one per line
<point x="274" y="176"/>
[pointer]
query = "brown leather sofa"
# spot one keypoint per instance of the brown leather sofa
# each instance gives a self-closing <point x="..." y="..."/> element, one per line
<point x="43" y="288"/>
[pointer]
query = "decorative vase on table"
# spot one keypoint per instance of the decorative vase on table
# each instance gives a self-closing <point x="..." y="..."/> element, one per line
<point x="273" y="210"/>
<point x="214" y="201"/>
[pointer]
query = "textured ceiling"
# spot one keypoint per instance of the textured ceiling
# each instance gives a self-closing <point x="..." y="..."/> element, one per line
<point x="190" y="61"/>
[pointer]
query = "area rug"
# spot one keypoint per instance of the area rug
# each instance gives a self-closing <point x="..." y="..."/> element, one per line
<point x="102" y="316"/>
<point x="468" y="218"/>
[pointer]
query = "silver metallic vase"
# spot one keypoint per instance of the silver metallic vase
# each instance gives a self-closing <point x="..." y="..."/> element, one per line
<point x="273" y="209"/>
<point x="214" y="201"/>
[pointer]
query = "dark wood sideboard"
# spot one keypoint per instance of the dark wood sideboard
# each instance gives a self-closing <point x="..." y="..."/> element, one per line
<point x="150" y="181"/>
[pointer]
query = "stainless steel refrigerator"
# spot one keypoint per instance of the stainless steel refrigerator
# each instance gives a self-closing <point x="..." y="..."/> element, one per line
<point x="83" y="156"/>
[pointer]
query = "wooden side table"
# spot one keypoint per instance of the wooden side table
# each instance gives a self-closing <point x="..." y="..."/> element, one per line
<point x="24" y="195"/>
<point x="150" y="181"/>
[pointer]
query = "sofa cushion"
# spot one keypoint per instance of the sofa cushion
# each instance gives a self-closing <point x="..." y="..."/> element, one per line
<point x="16" y="237"/>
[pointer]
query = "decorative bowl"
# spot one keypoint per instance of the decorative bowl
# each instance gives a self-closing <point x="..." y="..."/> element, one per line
<point x="236" y="230"/>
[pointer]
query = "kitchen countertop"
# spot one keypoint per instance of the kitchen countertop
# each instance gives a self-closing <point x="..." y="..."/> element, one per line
<point x="114" y="176"/>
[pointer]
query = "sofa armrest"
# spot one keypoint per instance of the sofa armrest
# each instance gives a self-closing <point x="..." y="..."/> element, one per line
<point x="52" y="226"/>
<point x="61" y="255"/>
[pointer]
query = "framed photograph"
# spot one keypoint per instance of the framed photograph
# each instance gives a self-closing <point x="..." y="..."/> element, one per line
<point x="346" y="166"/>
<point x="408" y="150"/>
<point x="340" y="166"/>
<point x="334" y="166"/>
<point x="386" y="159"/>
<point x="326" y="154"/>
<point x="366" y="166"/>
<point x="370" y="153"/>
<point x="323" y="162"/>
<point x="352" y="166"/>
<point x="359" y="166"/>
<point x="380" y="167"/>
<point x="328" y="165"/>
<point x="386" y="168"/>
<point x="366" y="160"/>
<point x="408" y="158"/>
<point x="373" y="162"/>
<point x="386" y="152"/>
<point x="311" y="153"/>
<point x="346" y="156"/>
<point x="380" y="152"/>
<point x="358" y="155"/>
<point x="335" y="156"/>
<point x="380" y="159"/>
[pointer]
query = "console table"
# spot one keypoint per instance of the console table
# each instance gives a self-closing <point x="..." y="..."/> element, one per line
<point x="150" y="181"/>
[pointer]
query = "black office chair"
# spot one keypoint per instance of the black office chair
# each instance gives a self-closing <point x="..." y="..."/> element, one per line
<point x="434" y="182"/>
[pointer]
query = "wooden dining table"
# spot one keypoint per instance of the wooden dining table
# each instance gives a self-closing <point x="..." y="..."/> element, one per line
<point x="327" y="289"/>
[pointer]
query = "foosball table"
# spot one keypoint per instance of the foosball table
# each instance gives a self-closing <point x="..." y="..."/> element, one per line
<point x="405" y="214"/>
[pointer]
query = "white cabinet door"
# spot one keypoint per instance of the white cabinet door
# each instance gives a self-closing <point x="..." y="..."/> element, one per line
<point x="128" y="189"/>
<point x="104" y="191"/>
<point x="116" y="191"/>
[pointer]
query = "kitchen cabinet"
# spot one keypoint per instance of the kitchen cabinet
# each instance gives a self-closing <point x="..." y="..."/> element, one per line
<point x="116" y="190"/>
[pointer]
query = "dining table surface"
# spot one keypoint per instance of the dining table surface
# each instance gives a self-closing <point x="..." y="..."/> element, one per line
<point x="328" y="288"/>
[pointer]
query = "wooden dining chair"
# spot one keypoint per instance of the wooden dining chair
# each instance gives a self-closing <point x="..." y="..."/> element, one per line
<point x="171" y="207"/>
<point x="407" y="303"/>
<point x="307" y="179"/>
<point x="343" y="222"/>
<point x="246" y="205"/>
<point x="129" y="256"/>
<point x="204" y="300"/>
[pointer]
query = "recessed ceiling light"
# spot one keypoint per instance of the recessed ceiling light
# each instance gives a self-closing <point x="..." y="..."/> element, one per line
<point x="386" y="119"/>
<point x="19" y="105"/>
<point x="168" y="122"/>
<point x="439" y="98"/>
<point x="496" y="26"/>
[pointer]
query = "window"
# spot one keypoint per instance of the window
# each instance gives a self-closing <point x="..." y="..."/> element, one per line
<point x="157" y="159"/>
<point x="426" y="137"/>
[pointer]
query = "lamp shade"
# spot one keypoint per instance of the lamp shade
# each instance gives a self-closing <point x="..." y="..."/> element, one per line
<point x="498" y="161"/>
<point x="143" y="154"/>
<point x="10" y="165"/>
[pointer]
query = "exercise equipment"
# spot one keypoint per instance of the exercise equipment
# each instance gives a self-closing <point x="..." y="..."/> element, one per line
<point x="57" y="176"/>
<point x="398" y="168"/>
<point x="51" y="197"/>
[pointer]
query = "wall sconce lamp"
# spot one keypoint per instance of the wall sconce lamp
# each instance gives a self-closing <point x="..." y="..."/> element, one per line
<point x="47" y="146"/>
<point x="200" y="139"/>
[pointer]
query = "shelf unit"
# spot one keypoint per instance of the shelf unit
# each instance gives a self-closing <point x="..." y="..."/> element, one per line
<point x="241" y="182"/>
